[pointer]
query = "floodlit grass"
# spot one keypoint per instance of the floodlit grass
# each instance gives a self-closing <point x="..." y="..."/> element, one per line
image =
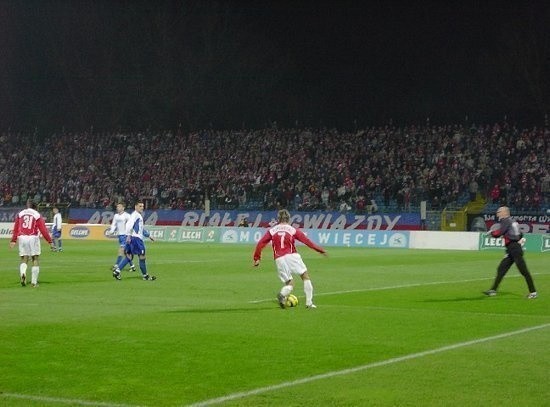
<point x="392" y="328"/>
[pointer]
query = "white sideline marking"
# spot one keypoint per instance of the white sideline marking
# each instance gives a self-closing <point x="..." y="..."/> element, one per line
<point x="260" y="390"/>
<point x="265" y="389"/>
<point x="57" y="400"/>
<point x="386" y="362"/>
<point x="393" y="287"/>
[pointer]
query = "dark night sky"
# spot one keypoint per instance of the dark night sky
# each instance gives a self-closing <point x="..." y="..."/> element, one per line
<point x="135" y="64"/>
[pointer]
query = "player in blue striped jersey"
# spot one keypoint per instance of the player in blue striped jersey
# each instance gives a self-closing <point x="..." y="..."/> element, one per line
<point x="118" y="227"/>
<point x="135" y="245"/>
<point x="56" y="230"/>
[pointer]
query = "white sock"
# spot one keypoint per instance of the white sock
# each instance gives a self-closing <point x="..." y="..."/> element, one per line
<point x="286" y="290"/>
<point x="23" y="269"/>
<point x="308" y="290"/>
<point x="35" y="271"/>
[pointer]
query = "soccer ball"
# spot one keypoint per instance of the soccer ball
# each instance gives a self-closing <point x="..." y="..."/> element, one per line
<point x="291" y="301"/>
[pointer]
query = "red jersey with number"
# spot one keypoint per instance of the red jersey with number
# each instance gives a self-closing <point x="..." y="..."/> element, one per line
<point x="283" y="240"/>
<point x="30" y="223"/>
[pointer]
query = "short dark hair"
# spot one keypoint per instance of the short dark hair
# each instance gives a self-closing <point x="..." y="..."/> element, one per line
<point x="31" y="204"/>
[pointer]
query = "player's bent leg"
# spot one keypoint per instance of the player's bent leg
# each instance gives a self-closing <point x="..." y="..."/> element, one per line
<point x="287" y="289"/>
<point x="123" y="263"/>
<point x="143" y="268"/>
<point x="502" y="269"/>
<point x="284" y="293"/>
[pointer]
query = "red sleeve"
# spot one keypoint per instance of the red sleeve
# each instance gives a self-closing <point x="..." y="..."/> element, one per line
<point x="15" y="229"/>
<point x="43" y="229"/>
<point x="301" y="236"/>
<point x="496" y="230"/>
<point x="261" y="244"/>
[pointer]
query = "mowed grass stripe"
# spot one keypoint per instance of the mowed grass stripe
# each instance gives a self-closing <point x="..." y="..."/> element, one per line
<point x="305" y="380"/>
<point x="192" y="335"/>
<point x="58" y="401"/>
<point x="329" y="375"/>
<point x="395" y="287"/>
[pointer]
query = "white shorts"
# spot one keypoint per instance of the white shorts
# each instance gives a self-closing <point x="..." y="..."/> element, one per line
<point x="29" y="245"/>
<point x="290" y="264"/>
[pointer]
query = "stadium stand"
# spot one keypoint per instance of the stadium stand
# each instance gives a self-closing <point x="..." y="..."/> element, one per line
<point x="383" y="169"/>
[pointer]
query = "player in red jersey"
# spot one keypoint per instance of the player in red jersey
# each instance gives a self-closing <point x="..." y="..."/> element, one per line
<point x="283" y="238"/>
<point x="28" y="226"/>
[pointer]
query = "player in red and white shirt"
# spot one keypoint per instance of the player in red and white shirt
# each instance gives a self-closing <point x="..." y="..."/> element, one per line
<point x="283" y="238"/>
<point x="28" y="227"/>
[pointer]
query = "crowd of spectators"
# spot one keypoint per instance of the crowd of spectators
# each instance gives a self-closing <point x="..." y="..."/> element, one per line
<point x="376" y="169"/>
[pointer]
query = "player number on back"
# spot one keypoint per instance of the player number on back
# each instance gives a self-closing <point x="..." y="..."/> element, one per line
<point x="282" y="235"/>
<point x="27" y="221"/>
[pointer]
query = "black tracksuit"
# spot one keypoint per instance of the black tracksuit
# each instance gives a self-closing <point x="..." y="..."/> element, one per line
<point x="509" y="230"/>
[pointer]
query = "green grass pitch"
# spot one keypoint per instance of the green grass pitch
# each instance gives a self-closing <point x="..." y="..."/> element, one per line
<point x="392" y="328"/>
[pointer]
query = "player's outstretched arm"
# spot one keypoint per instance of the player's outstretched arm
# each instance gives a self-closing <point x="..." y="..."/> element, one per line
<point x="147" y="234"/>
<point x="301" y="236"/>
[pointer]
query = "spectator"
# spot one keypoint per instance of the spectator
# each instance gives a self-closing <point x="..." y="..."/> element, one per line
<point x="435" y="161"/>
<point x="495" y="194"/>
<point x="473" y="188"/>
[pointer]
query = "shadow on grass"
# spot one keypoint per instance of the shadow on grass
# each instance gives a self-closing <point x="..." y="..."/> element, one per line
<point x="458" y="299"/>
<point x="221" y="310"/>
<point x="477" y="297"/>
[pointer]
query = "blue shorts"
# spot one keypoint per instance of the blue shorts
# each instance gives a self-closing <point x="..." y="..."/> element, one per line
<point x="136" y="246"/>
<point x="56" y="234"/>
<point x="122" y="240"/>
